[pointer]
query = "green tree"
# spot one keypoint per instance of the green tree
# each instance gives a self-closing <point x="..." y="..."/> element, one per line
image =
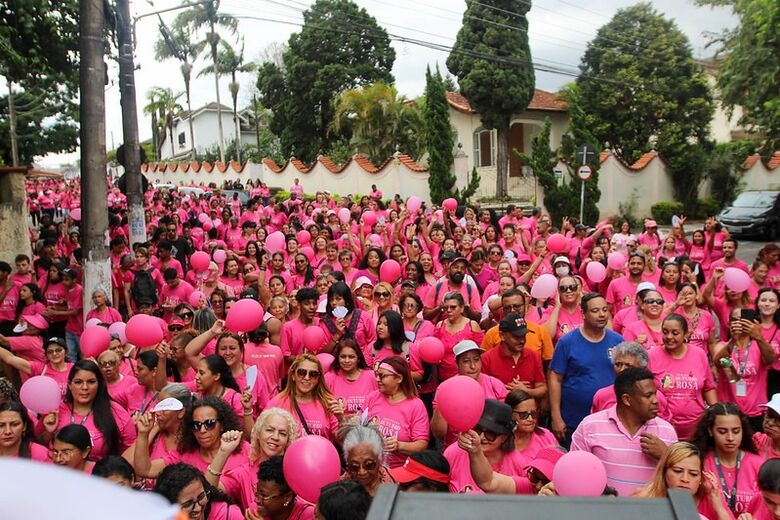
<point x="179" y="43"/>
<point x="750" y="67"/>
<point x="207" y="16"/>
<point x="492" y="61"/>
<point x="163" y="105"/>
<point x="642" y="90"/>
<point x="339" y="47"/>
<point x="439" y="137"/>
<point x="232" y="62"/>
<point x="380" y="121"/>
<point x="725" y="169"/>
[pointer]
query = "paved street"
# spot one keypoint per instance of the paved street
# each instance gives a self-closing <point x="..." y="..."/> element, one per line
<point x="748" y="250"/>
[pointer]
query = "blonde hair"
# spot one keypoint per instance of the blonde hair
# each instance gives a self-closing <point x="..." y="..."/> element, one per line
<point x="292" y="431"/>
<point x="677" y="452"/>
<point x="387" y="287"/>
<point x="321" y="392"/>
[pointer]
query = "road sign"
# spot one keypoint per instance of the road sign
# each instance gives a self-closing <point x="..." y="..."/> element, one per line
<point x="586" y="153"/>
<point x="584" y="172"/>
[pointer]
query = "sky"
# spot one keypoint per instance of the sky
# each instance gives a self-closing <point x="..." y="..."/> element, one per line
<point x="559" y="31"/>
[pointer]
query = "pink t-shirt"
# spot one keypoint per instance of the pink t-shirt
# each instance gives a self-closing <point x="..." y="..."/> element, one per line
<point x="352" y="394"/>
<point x="512" y="464"/>
<point x="291" y="337"/>
<point x="194" y="458"/>
<point x="269" y="361"/>
<point x="364" y="331"/>
<point x="180" y="294"/>
<point x="754" y="372"/>
<point x="700" y="327"/>
<point x="747" y="485"/>
<point x="9" y="303"/>
<point x="28" y="347"/>
<point x="224" y="511"/>
<point x="44" y="369"/>
<point x="623" y="317"/>
<point x="99" y="450"/>
<point x="683" y="382"/>
<point x="406" y="421"/>
<point x="240" y="483"/>
<point x="639" y="328"/>
<point x="317" y="419"/>
<point x="567" y="321"/>
<point x="605" y="397"/>
<point x="75" y="324"/>
<point x="110" y="315"/>
<point x="621" y="293"/>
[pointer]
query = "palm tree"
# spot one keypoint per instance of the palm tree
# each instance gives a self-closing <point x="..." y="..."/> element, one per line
<point x="380" y="121"/>
<point x="232" y="62"/>
<point x="208" y="15"/>
<point x="153" y="108"/>
<point x="164" y="107"/>
<point x="178" y="42"/>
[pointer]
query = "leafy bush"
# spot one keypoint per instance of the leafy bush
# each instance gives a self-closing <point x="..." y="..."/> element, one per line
<point x="707" y="207"/>
<point x="627" y="211"/>
<point x="663" y="211"/>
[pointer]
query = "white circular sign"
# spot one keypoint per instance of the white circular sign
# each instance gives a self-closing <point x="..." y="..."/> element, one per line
<point x="584" y="172"/>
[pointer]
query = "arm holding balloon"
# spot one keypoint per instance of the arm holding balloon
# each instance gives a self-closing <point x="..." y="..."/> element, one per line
<point x="438" y="425"/>
<point x="20" y="364"/>
<point x="161" y="376"/>
<point x="482" y="472"/>
<point x="196" y="346"/>
<point x="552" y="321"/>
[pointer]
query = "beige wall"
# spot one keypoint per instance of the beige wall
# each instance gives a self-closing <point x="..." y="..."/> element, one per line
<point x="759" y="177"/>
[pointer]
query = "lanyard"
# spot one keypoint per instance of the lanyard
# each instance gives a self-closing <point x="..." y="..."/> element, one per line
<point x="731" y="498"/>
<point x="743" y="363"/>
<point x="83" y="420"/>
<point x="145" y="404"/>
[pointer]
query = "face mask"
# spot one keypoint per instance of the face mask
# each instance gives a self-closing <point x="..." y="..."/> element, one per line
<point x="561" y="271"/>
<point x="457" y="277"/>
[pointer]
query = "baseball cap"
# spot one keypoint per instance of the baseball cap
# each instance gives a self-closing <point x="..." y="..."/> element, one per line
<point x="650" y="223"/>
<point x="523" y="258"/>
<point x="169" y="404"/>
<point x="513" y="324"/>
<point x="460" y="259"/>
<point x="464" y="346"/>
<point x="497" y="418"/>
<point x="57" y="341"/>
<point x="545" y="461"/>
<point x="412" y="470"/>
<point x="448" y="256"/>
<point x="175" y="322"/>
<point x="37" y="321"/>
<point x="70" y="273"/>
<point x="645" y="286"/>
<point x="564" y="259"/>
<point x="409" y="283"/>
<point x="363" y="280"/>
<point x="773" y="404"/>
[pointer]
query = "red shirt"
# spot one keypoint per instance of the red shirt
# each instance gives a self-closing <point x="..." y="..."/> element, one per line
<point x="528" y="367"/>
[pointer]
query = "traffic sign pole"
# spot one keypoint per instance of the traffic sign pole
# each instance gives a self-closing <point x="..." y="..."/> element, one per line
<point x="583" y="172"/>
<point x="582" y="201"/>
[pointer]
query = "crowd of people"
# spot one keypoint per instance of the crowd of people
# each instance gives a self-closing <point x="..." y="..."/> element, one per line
<point x="647" y="351"/>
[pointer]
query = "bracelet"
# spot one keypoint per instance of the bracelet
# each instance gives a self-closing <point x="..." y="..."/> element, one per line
<point x="214" y="473"/>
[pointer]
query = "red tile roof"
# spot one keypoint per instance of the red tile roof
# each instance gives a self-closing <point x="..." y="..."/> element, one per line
<point x="542" y="100"/>
<point x="771" y="164"/>
<point x="774" y="162"/>
<point x="194" y="166"/>
<point x="640" y="164"/>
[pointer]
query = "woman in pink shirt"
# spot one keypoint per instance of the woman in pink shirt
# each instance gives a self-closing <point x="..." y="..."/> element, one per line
<point x="682" y="373"/>
<point x="566" y="314"/>
<point x="724" y="439"/>
<point x="102" y="311"/>
<point x="356" y="325"/>
<point x="397" y="411"/>
<point x="350" y="378"/>
<point x="650" y="237"/>
<point x="72" y="448"/>
<point x="743" y="364"/>
<point x="17" y="438"/>
<point x="668" y="284"/>
<point x="30" y="300"/>
<point x="185" y="486"/>
<point x="529" y="436"/>
<point x="647" y="330"/>
<point x="452" y="329"/>
<point x="274" y="499"/>
<point x="391" y="338"/>
<point x="231" y="276"/>
<point x="700" y="322"/>
<point x="700" y="249"/>
<point x="309" y="400"/>
<point x="213" y="377"/>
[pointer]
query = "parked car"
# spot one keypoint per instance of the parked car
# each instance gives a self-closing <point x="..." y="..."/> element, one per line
<point x="193" y="192"/>
<point x="243" y="196"/>
<point x="753" y="213"/>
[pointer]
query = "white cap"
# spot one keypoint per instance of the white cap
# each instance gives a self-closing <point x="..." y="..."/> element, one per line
<point x="564" y="259"/>
<point x="321" y="305"/>
<point x="644" y="286"/>
<point x="363" y="280"/>
<point x="169" y="404"/>
<point x="773" y="404"/>
<point x="464" y="346"/>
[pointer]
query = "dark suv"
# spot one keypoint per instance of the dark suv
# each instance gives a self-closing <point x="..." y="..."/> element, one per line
<point x="753" y="213"/>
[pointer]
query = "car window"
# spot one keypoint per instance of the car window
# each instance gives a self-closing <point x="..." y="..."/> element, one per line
<point x="755" y="199"/>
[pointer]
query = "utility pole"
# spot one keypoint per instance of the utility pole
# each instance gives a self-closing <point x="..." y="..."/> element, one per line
<point x="92" y="134"/>
<point x="132" y="156"/>
<point x="12" y="124"/>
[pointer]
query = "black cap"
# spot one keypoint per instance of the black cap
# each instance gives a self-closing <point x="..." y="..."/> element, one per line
<point x="513" y="324"/>
<point x="447" y="256"/>
<point x="497" y="418"/>
<point x="57" y="341"/>
<point x="70" y="273"/>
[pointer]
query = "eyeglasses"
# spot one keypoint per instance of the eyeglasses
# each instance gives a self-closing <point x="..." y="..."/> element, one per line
<point x="262" y="498"/>
<point x="186" y="315"/>
<point x="411" y="305"/>
<point x="640" y="254"/>
<point x="381" y="295"/>
<point x="497" y="253"/>
<point x="567" y="288"/>
<point x="524" y="416"/>
<point x="654" y="301"/>
<point x="449" y="307"/>
<point x="382" y="375"/>
<point x="65" y="454"/>
<point x="487" y="434"/>
<point x="311" y="374"/>
<point x="208" y="424"/>
<point x="56" y="350"/>
<point x="200" y="500"/>
<point x="512" y="307"/>
<point x="369" y="465"/>
<point x="107" y="364"/>
<point x="301" y="261"/>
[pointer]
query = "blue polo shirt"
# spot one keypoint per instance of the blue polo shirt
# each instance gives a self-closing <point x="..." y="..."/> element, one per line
<point x="586" y="367"/>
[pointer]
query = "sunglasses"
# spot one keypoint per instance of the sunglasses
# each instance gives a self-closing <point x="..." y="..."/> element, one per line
<point x="487" y="434"/>
<point x="208" y="424"/>
<point x="495" y="253"/>
<point x="382" y="295"/>
<point x="186" y="315"/>
<point x="54" y="350"/>
<point x="654" y="301"/>
<point x="567" y="288"/>
<point x="175" y="328"/>
<point x="524" y="416"/>
<point x="369" y="465"/>
<point x="534" y="478"/>
<point x="107" y="364"/>
<point x="637" y="253"/>
<point x="303" y="373"/>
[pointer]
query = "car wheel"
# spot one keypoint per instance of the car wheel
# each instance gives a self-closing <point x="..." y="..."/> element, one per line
<point x="771" y="231"/>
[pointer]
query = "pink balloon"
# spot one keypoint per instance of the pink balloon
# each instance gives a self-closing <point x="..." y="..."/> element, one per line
<point x="75" y="214"/>
<point x="92" y="322"/>
<point x="314" y="339"/>
<point x="450" y="204"/>
<point x="544" y="287"/>
<point x="616" y="260"/>
<point x="207" y="225"/>
<point x="344" y="215"/>
<point x="596" y="271"/>
<point x="219" y="256"/>
<point x="200" y="260"/>
<point x="569" y="471"/>
<point x="389" y="271"/>
<point x="369" y="218"/>
<point x="244" y="315"/>
<point x="310" y="463"/>
<point x="143" y="331"/>
<point x="326" y="360"/>
<point x="413" y="204"/>
<point x="195" y="299"/>
<point x="439" y="216"/>
<point x="94" y="341"/>
<point x="736" y="279"/>
<point x="303" y="236"/>
<point x="41" y="394"/>
<point x="118" y="328"/>
<point x="275" y="242"/>
<point x="461" y="401"/>
<point x="556" y="243"/>
<point x="217" y="222"/>
<point x="375" y="239"/>
<point x="202" y="218"/>
<point x="431" y="350"/>
<point x="308" y="251"/>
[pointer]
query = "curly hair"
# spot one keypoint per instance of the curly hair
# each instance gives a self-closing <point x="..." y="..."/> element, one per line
<point x="174" y="478"/>
<point x="226" y="418"/>
<point x="292" y="430"/>
<point x="704" y="440"/>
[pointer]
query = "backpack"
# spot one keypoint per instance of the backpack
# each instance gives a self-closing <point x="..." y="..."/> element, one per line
<point x="439" y="285"/>
<point x="143" y="287"/>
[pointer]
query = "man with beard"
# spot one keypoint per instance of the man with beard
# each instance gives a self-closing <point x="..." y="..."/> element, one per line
<point x="454" y="281"/>
<point x="580" y="366"/>
<point x="622" y="291"/>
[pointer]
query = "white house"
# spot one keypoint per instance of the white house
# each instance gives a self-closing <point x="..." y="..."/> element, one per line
<point x="205" y="128"/>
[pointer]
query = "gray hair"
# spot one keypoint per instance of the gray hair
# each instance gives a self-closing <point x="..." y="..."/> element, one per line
<point x="179" y="392"/>
<point x="203" y="320"/>
<point x="361" y="434"/>
<point x="632" y="349"/>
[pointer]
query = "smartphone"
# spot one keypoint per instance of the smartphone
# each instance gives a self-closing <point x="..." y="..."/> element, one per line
<point x="748" y="314"/>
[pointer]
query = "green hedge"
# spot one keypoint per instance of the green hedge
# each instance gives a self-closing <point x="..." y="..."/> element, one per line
<point x="663" y="211"/>
<point x="706" y="207"/>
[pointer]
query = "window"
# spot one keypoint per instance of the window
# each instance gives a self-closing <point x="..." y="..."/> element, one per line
<point x="484" y="148"/>
<point x="182" y="140"/>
